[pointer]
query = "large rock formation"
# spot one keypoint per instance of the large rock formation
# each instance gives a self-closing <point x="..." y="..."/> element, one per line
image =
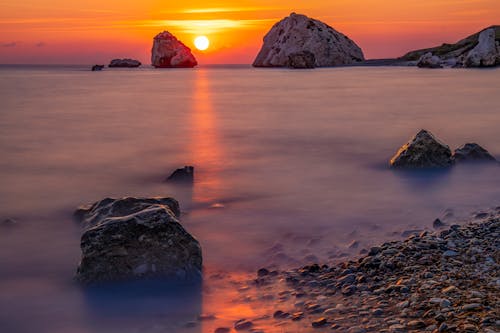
<point x="131" y="63"/>
<point x="131" y="238"/>
<point x="298" y="34"/>
<point x="169" y="52"/>
<point x="423" y="151"/>
<point x="472" y="152"/>
<point x="429" y="61"/>
<point x="478" y="50"/>
<point x="486" y="53"/>
<point x="304" y="59"/>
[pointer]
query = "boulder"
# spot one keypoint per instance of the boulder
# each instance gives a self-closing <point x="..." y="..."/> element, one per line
<point x="127" y="63"/>
<point x="134" y="238"/>
<point x="169" y="52"/>
<point x="486" y="53"/>
<point x="183" y="175"/>
<point x="429" y="61"/>
<point x="304" y="59"/>
<point x="297" y="34"/>
<point x="472" y="152"/>
<point x="423" y="151"/>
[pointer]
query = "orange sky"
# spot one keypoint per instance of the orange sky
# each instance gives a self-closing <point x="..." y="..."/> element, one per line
<point x="94" y="31"/>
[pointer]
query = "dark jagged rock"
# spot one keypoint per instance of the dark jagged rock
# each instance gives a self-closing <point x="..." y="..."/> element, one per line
<point x="472" y="152"/>
<point x="126" y="63"/>
<point x="132" y="238"/>
<point x="184" y="175"/>
<point x="169" y="52"/>
<point x="97" y="68"/>
<point x="423" y="151"/>
<point x="301" y="60"/>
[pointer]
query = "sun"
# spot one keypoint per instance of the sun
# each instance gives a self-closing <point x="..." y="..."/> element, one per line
<point x="202" y="43"/>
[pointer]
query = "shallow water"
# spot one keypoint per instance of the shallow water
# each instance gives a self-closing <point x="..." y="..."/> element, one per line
<point x="291" y="166"/>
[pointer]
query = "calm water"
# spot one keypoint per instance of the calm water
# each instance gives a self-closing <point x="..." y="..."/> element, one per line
<point x="291" y="166"/>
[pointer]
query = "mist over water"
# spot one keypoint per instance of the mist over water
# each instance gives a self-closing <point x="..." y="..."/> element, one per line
<point x="290" y="167"/>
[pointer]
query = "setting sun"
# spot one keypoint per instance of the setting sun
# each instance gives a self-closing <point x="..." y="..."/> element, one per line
<point x="201" y="43"/>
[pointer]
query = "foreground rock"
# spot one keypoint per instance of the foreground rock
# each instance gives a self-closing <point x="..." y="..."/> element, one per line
<point x="472" y="152"/>
<point x="481" y="49"/>
<point x="126" y="63"/>
<point x="297" y="34"/>
<point x="131" y="238"/>
<point x="169" y="52"/>
<point x="423" y="151"/>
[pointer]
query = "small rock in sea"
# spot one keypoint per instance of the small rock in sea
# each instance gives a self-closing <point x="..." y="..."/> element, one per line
<point x="8" y="223"/>
<point x="472" y="152"/>
<point x="243" y="324"/>
<point x="97" y="68"/>
<point x="183" y="175"/>
<point x="422" y="151"/>
<point x="437" y="224"/>
<point x="169" y="52"/>
<point x="130" y="63"/>
<point x="348" y="279"/>
<point x="319" y="322"/>
<point x="263" y="272"/>
<point x="354" y="244"/>
<point x="222" y="330"/>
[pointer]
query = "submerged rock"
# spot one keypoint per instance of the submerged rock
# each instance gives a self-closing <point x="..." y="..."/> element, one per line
<point x="429" y="61"/>
<point x="127" y="63"/>
<point x="304" y="59"/>
<point x="184" y="175"/>
<point x="297" y="34"/>
<point x="472" y="152"/>
<point x="131" y="238"/>
<point x="169" y="52"/>
<point x="486" y="53"/>
<point x="423" y="151"/>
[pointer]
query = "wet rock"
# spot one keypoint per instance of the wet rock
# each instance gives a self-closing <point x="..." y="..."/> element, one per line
<point x="320" y="322"/>
<point x="429" y="61"/>
<point x="222" y="330"/>
<point x="127" y="63"/>
<point x="132" y="238"/>
<point x="423" y="151"/>
<point x="169" y="52"/>
<point x="437" y="224"/>
<point x="472" y="152"/>
<point x="263" y="272"/>
<point x="471" y="307"/>
<point x="183" y="175"/>
<point x="243" y="324"/>
<point x="280" y="314"/>
<point x="416" y="324"/>
<point x="301" y="60"/>
<point x="297" y="34"/>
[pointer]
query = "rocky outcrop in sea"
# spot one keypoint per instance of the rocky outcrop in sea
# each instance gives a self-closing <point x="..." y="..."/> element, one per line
<point x="297" y="36"/>
<point x="479" y="50"/>
<point x="169" y="52"/>
<point x="126" y="63"/>
<point x="136" y="238"/>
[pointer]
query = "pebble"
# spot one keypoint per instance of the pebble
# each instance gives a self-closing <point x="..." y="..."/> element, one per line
<point x="319" y="322"/>
<point x="222" y="330"/>
<point x="243" y="324"/>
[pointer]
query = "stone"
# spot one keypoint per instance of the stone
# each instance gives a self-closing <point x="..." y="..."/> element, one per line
<point x="301" y="60"/>
<point x="450" y="253"/>
<point x="169" y="52"/>
<point x="320" y="322"/>
<point x="183" y="175"/>
<point x="297" y="34"/>
<point x="127" y="63"/>
<point x="422" y="151"/>
<point x="472" y="152"/>
<point x="222" y="330"/>
<point x="136" y="238"/>
<point x="429" y="61"/>
<point x="416" y="324"/>
<point x="437" y="224"/>
<point x="486" y="53"/>
<point x="243" y="324"/>
<point x="471" y="307"/>
<point x="263" y="272"/>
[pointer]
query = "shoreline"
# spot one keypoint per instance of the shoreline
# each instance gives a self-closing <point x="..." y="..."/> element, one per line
<point x="442" y="281"/>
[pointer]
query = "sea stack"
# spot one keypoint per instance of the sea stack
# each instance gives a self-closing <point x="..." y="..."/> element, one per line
<point x="169" y="52"/>
<point x="299" y="34"/>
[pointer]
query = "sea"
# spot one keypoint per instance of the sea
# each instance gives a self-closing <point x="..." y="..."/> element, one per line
<point x="291" y="168"/>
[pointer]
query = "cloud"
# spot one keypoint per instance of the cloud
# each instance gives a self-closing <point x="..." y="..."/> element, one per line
<point x="9" y="44"/>
<point x="207" y="26"/>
